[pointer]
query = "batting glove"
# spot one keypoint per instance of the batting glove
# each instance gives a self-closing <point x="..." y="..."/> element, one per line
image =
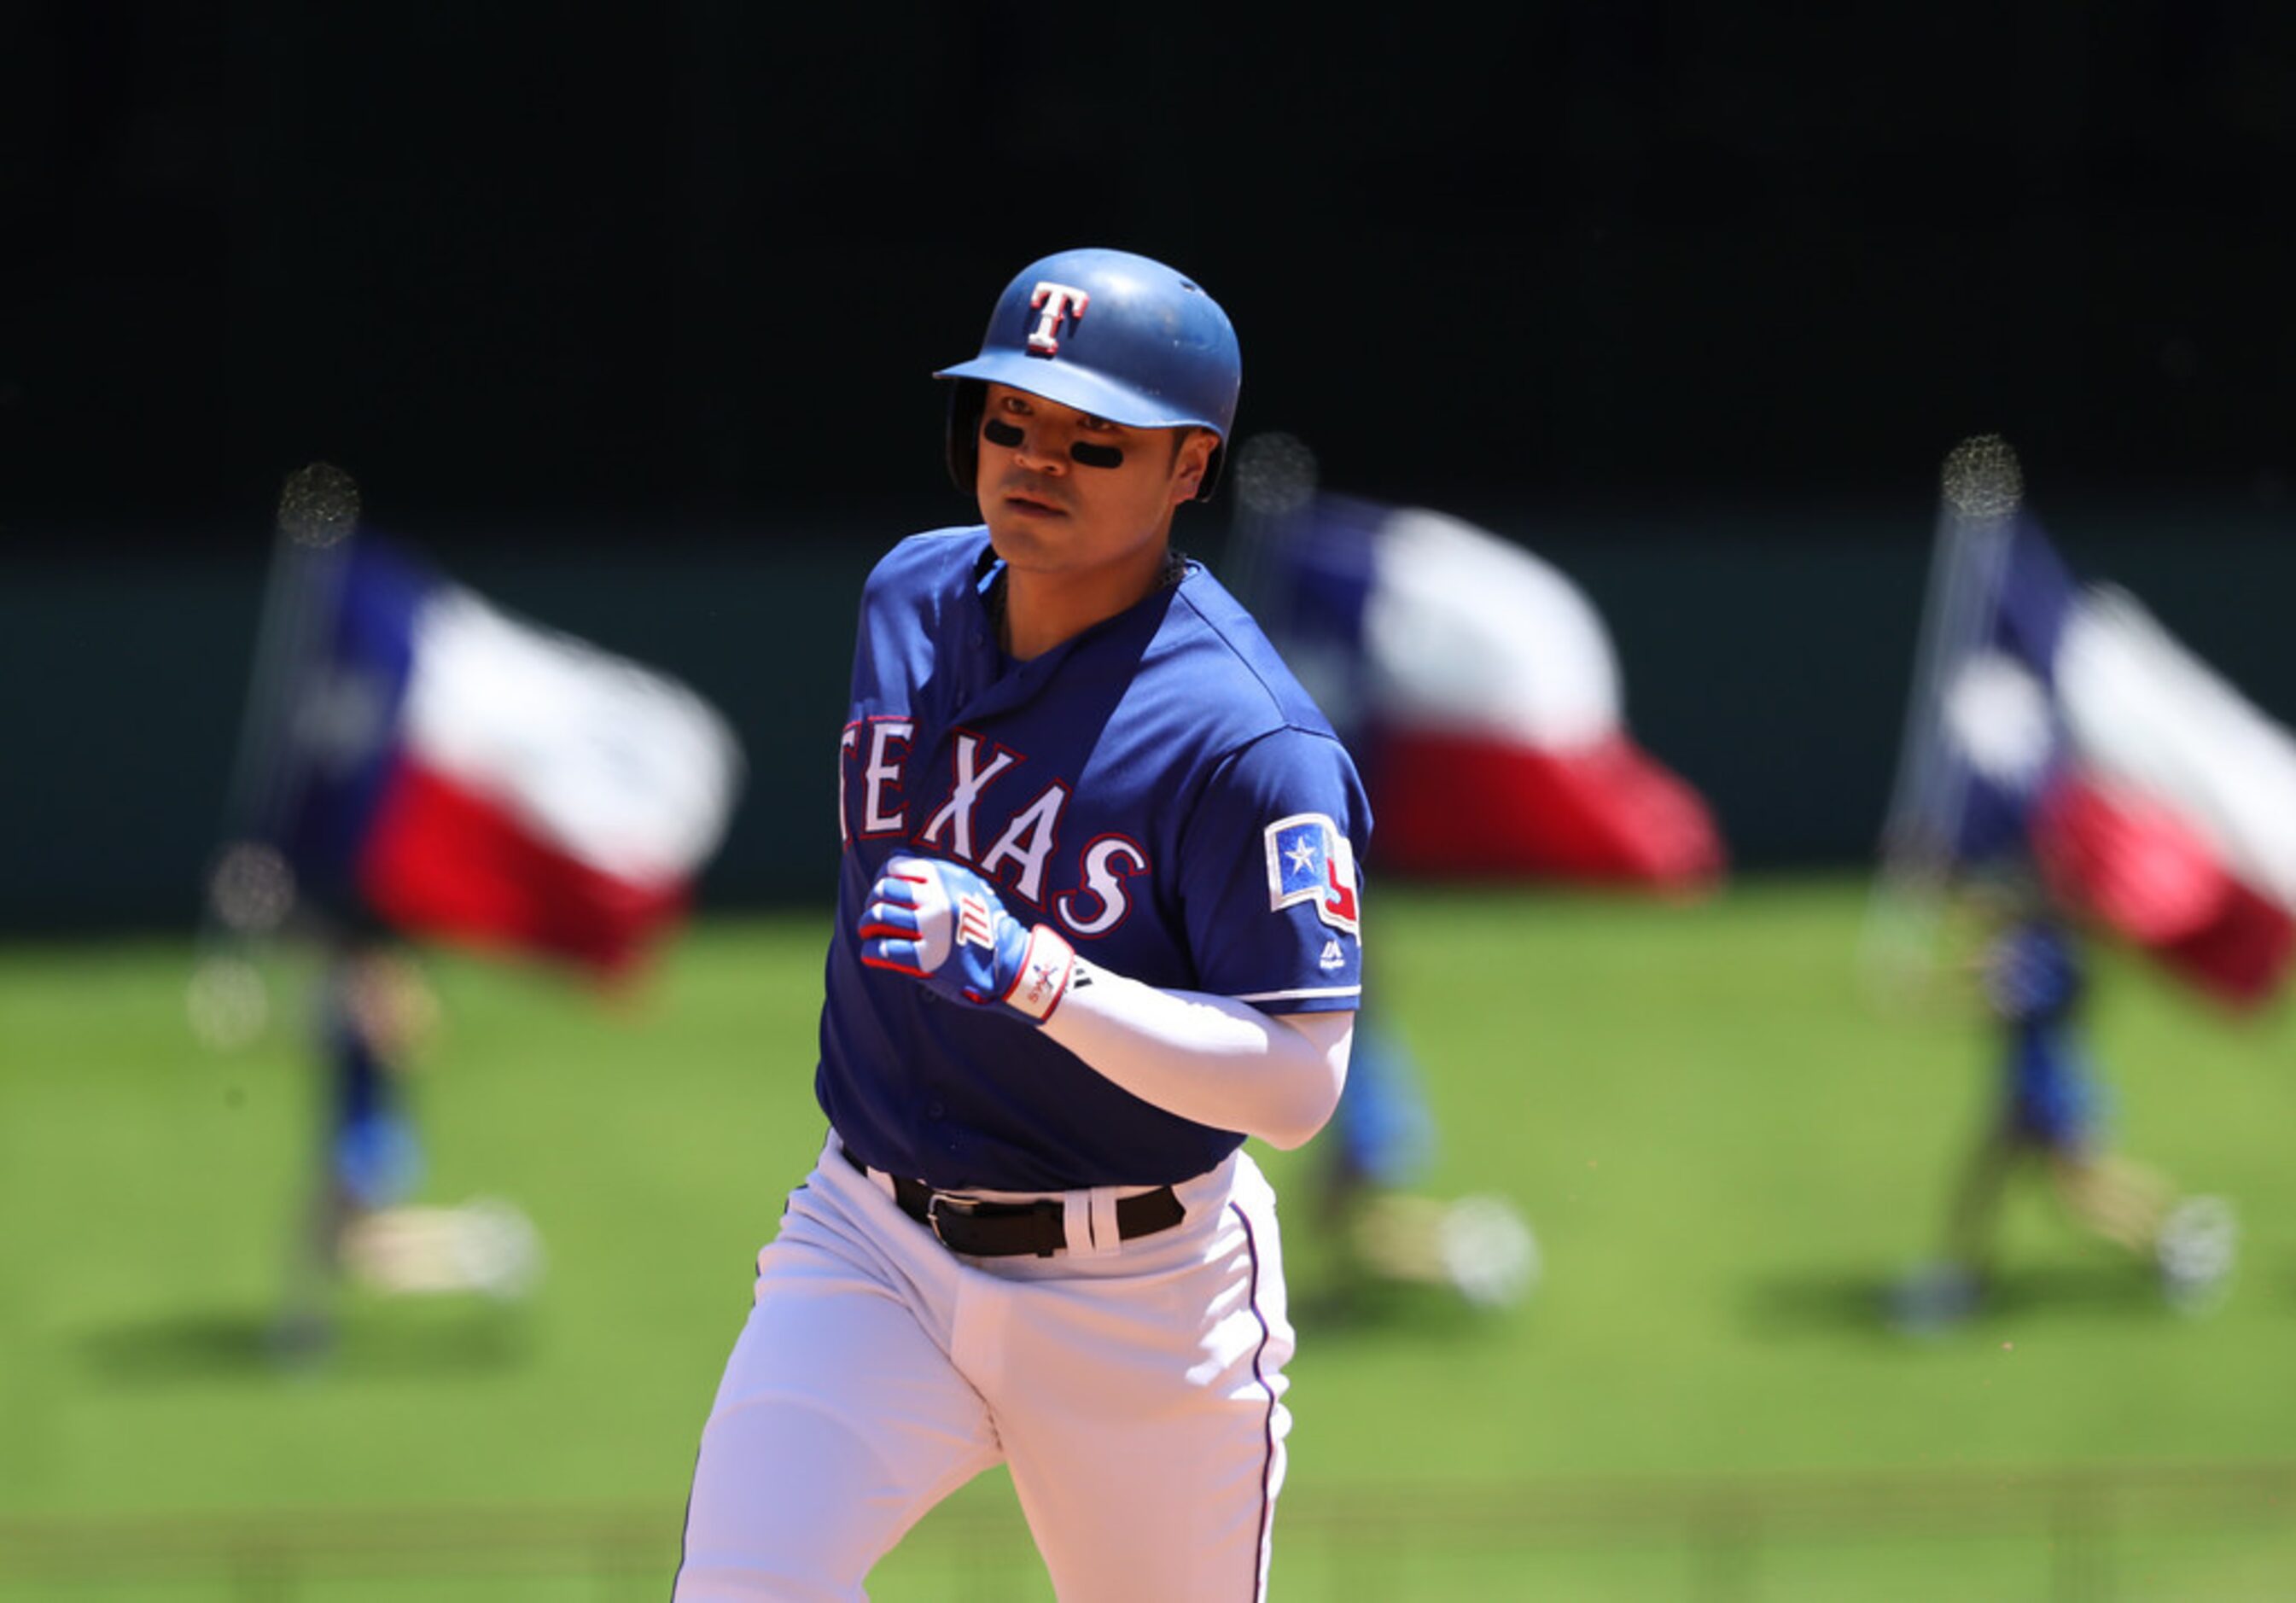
<point x="945" y="925"/>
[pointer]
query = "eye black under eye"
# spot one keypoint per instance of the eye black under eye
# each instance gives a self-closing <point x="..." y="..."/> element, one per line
<point x="1007" y="436"/>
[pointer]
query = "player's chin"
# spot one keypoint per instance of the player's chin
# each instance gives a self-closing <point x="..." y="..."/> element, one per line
<point x="1027" y="543"/>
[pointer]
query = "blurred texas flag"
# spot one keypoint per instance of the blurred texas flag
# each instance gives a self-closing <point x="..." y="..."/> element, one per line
<point x="1476" y="683"/>
<point x="420" y="758"/>
<point x="2057" y="724"/>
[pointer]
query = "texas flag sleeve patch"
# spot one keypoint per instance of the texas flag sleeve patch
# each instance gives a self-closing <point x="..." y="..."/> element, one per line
<point x="1308" y="860"/>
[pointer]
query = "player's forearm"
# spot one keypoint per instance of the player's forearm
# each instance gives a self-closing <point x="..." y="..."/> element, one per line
<point x="1208" y="1058"/>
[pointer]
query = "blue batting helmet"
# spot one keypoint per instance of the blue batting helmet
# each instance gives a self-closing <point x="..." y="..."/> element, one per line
<point x="1120" y="336"/>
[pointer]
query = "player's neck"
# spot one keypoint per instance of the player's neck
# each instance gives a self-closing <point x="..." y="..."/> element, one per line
<point x="1044" y="610"/>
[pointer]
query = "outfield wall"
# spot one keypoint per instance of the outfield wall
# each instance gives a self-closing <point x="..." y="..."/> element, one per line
<point x="1767" y="657"/>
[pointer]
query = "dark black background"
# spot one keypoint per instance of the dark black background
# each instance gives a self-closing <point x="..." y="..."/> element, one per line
<point x="628" y="315"/>
<point x="621" y="266"/>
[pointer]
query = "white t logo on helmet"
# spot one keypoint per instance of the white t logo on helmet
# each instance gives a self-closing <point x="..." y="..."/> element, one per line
<point x="1056" y="301"/>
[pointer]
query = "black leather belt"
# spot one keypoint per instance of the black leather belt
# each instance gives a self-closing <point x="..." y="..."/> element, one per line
<point x="1002" y="1230"/>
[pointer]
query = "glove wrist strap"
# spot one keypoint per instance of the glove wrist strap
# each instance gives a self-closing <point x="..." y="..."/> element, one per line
<point x="1048" y="964"/>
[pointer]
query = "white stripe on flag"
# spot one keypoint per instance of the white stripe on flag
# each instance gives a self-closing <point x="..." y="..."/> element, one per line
<point x="623" y="768"/>
<point x="1469" y="633"/>
<point x="2147" y="713"/>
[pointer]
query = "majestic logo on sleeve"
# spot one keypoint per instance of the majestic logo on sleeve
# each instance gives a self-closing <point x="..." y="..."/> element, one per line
<point x="1308" y="860"/>
<point x="1055" y="301"/>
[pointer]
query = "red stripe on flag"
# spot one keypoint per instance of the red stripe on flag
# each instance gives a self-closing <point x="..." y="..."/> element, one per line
<point x="2126" y="860"/>
<point x="442" y="861"/>
<point x="2240" y="955"/>
<point x="2135" y="866"/>
<point x="1459" y="804"/>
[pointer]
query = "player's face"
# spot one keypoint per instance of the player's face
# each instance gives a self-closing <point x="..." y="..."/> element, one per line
<point x="1065" y="492"/>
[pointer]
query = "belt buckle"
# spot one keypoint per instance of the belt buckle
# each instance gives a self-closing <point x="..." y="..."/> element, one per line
<point x="934" y="1202"/>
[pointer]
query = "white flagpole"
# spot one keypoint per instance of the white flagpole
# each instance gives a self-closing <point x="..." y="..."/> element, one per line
<point x="249" y="889"/>
<point x="1981" y="488"/>
<point x="1275" y="482"/>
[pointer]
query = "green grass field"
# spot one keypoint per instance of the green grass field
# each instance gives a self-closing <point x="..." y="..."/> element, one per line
<point x="1724" y="1149"/>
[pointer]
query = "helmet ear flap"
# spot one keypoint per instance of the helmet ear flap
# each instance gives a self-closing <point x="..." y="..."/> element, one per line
<point x="967" y="398"/>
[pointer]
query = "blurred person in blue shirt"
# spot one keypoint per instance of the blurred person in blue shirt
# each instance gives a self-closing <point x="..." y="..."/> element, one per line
<point x="2050" y="1115"/>
<point x="1372" y="1162"/>
<point x="376" y="1014"/>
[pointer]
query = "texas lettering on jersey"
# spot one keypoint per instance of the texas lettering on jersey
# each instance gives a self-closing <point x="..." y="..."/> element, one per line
<point x="875" y="760"/>
<point x="1308" y="858"/>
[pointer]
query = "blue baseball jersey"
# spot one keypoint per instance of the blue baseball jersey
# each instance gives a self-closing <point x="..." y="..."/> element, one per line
<point x="1160" y="789"/>
<point x="2034" y="978"/>
<point x="377" y="1156"/>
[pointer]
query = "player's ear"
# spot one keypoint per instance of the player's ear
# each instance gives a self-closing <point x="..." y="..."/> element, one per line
<point x="1191" y="460"/>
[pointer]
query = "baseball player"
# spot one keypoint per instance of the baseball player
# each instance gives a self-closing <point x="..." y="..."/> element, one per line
<point x="1098" y="921"/>
<point x="2051" y="1114"/>
<point x="376" y="1013"/>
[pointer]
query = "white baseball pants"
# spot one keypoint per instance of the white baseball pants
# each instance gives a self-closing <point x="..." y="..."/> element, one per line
<point x="1136" y="1395"/>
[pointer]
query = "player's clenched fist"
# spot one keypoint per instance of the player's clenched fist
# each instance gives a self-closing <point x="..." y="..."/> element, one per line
<point x="945" y="925"/>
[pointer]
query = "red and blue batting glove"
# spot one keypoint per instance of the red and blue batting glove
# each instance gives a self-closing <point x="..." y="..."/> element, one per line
<point x="945" y="925"/>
